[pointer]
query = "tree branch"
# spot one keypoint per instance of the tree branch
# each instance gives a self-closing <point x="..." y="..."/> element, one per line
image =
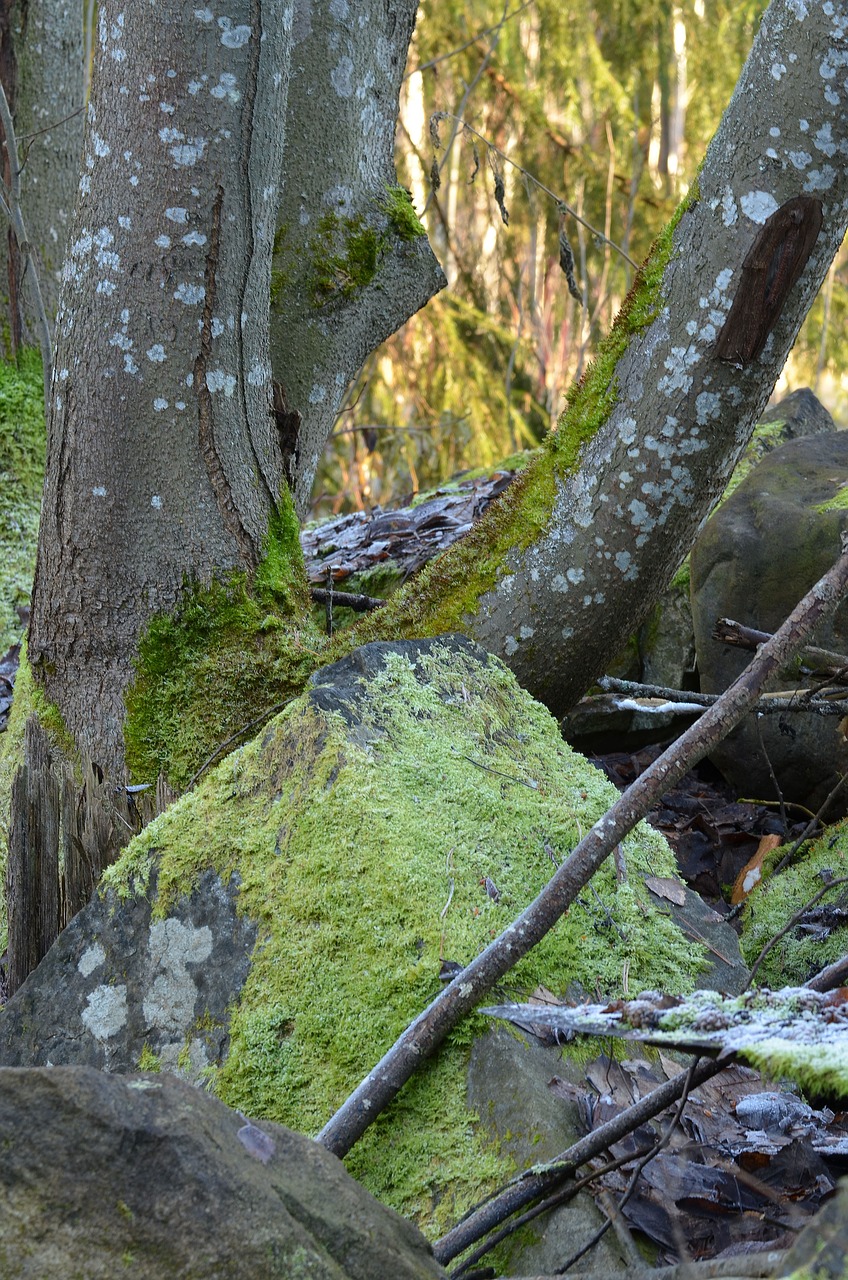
<point x="429" y="1029"/>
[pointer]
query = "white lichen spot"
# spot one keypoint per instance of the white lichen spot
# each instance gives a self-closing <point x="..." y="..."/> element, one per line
<point x="627" y="430"/>
<point x="163" y="241"/>
<point x="194" y="87"/>
<point x="177" y="214"/>
<point x="510" y="646"/>
<point x="107" y="1011"/>
<point x="100" y="145"/>
<point x="124" y="223"/>
<point x="559" y="584"/>
<point x="218" y="380"/>
<point x="179" y="404"/>
<point x="800" y="159"/>
<point x="258" y="374"/>
<point x="106" y="287"/>
<point x="804" y="126"/>
<point x="729" y="213"/>
<point x="217" y="327"/>
<point x="574" y="575"/>
<point x="194" y="237"/>
<point x="204" y="15"/>
<point x="778" y="70"/>
<point x="233" y="37"/>
<point x="156" y="502"/>
<point x="567" y="633"/>
<point x="133" y="180"/>
<point x="159" y="404"/>
<point x="318" y="394"/>
<point x="707" y="406"/>
<point x="189" y="294"/>
<point x="774" y="132"/>
<point x="91" y="959"/>
<point x="167" y="108"/>
<point x="156" y="353"/>
<point x="525" y="632"/>
<point x="678" y="363"/>
<point x="227" y="87"/>
<point x="341" y="77"/>
<point x="130" y="365"/>
<point x="758" y="205"/>
<point x="99" y="491"/>
<point x="820" y="179"/>
<point x="622" y="560"/>
<point x="189" y="380"/>
<point x="186" y="154"/>
<point x="799" y="8"/>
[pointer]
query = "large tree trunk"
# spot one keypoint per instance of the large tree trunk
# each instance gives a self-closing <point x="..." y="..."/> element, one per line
<point x="351" y="262"/>
<point x="163" y="463"/>
<point x="41" y="64"/>
<point x="568" y="562"/>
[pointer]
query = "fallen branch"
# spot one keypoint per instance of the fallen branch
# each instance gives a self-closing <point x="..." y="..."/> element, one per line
<point x="346" y="599"/>
<point x="734" y="633"/>
<point x="685" y="701"/>
<point x="424" y="1035"/>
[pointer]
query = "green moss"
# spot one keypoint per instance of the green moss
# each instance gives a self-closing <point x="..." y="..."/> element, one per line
<point x="22" y="442"/>
<point x="797" y="955"/>
<point x="346" y="841"/>
<point x="839" y="502"/>
<point x="148" y="1060"/>
<point x="345" y="254"/>
<point x="230" y="651"/>
<point x="397" y="205"/>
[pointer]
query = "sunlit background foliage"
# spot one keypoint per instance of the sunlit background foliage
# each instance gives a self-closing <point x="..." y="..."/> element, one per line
<point x="607" y="107"/>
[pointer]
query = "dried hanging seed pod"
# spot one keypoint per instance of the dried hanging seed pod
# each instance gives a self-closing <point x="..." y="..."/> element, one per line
<point x="435" y="176"/>
<point x="566" y="259"/>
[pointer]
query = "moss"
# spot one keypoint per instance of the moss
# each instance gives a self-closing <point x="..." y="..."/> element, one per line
<point x="345" y="255"/>
<point x="797" y="956"/>
<point x="231" y="650"/>
<point x="346" y="841"/>
<point x="148" y="1060"/>
<point x="839" y="502"/>
<point x="398" y="207"/>
<point x="22" y="443"/>
<point x="447" y="593"/>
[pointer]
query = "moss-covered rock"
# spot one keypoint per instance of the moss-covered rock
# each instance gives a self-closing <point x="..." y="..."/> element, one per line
<point x="399" y="814"/>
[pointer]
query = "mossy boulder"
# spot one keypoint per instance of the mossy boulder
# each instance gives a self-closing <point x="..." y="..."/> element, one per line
<point x="757" y="556"/>
<point x="273" y="932"/>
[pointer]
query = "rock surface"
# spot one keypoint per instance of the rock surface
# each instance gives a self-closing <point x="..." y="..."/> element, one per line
<point x="755" y="559"/>
<point x="275" y="930"/>
<point x="146" y="1176"/>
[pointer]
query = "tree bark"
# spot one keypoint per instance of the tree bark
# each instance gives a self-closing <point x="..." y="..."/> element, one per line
<point x="347" y="273"/>
<point x="163" y="461"/>
<point x="568" y="562"/>
<point x="42" y="72"/>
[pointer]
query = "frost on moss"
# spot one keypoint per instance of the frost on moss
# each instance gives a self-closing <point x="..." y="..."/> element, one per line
<point x="22" y="438"/>
<point x="364" y="846"/>
<point x="801" y="952"/>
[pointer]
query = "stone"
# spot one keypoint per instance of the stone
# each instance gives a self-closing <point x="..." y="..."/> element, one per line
<point x="756" y="557"/>
<point x="275" y="930"/>
<point x="147" y="1176"/>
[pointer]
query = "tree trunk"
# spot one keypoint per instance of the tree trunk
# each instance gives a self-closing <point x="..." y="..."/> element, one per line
<point x="41" y="65"/>
<point x="351" y="261"/>
<point x="163" y="461"/>
<point x="565" y="566"/>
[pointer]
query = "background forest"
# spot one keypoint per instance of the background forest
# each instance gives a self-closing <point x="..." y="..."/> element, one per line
<point x="607" y="107"/>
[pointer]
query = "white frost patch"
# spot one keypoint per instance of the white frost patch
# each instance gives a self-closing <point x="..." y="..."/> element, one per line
<point x="758" y="205"/>
<point x="107" y="1011"/>
<point x="341" y="77"/>
<point x="233" y="37"/>
<point x="177" y="214"/>
<point x="189" y="293"/>
<point x="778" y="70"/>
<point x="217" y="380"/>
<point x="820" y="179"/>
<point x="159" y="404"/>
<point x="156" y="502"/>
<point x="800" y="159"/>
<point x="91" y="959"/>
<point x="707" y="406"/>
<point x="164" y="242"/>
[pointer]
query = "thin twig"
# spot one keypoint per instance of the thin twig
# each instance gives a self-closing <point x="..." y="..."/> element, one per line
<point x="599" y="235"/>
<point x="810" y="827"/>
<point x="427" y="1031"/>
<point x="452" y="53"/>
<point x="781" y="799"/>
<point x="239" y="733"/>
<point x="772" y="704"/>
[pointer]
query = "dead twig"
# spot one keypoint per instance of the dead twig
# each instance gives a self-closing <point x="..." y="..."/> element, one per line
<point x="426" y="1032"/>
<point x="346" y="599"/>
<point x="810" y="827"/>
<point x="791" y="922"/>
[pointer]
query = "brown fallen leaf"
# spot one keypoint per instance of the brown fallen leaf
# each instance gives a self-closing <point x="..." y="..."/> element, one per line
<point x="752" y="873"/>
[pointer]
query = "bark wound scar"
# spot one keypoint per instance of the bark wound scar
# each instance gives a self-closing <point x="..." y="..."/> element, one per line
<point x="206" y="428"/>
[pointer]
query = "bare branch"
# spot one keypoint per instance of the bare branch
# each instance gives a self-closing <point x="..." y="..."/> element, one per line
<point x="429" y="1029"/>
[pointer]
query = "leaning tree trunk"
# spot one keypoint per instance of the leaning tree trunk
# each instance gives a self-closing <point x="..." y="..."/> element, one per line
<point x="351" y="261"/>
<point x="568" y="562"/>
<point x="41" y="64"/>
<point x="163" y="463"/>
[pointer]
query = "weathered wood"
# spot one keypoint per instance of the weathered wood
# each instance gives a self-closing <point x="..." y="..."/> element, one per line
<point x="32" y="873"/>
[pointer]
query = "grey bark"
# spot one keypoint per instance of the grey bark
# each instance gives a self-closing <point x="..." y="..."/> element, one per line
<point x="43" y="69"/>
<point x="163" y="462"/>
<point x="347" y="65"/>
<point x="32" y="871"/>
<point x="622" y="523"/>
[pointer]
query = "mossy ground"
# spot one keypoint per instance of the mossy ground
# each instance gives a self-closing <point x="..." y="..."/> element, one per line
<point x="348" y="841"/>
<point x="797" y="955"/>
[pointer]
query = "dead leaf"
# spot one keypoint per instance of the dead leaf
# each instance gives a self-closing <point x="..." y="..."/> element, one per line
<point x="752" y="873"/>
